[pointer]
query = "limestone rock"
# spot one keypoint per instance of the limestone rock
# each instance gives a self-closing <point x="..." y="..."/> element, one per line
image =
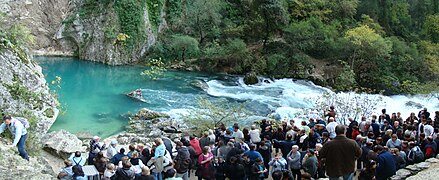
<point x="412" y="168"/>
<point x="432" y="160"/>
<point x="146" y="114"/>
<point x="15" y="167"/>
<point x="423" y="165"/>
<point x="62" y="143"/>
<point x="403" y="173"/>
<point x="199" y="84"/>
<point x="251" y="78"/>
<point x="24" y="91"/>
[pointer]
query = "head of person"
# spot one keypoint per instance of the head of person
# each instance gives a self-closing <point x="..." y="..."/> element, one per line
<point x="383" y="111"/>
<point x="96" y="138"/>
<point x="253" y="127"/>
<point x="77" y="171"/>
<point x="394" y="137"/>
<point x="378" y="149"/>
<point x="389" y="132"/>
<point x="140" y="147"/>
<point x="158" y="141"/>
<point x="114" y="143"/>
<point x="100" y="155"/>
<point x="303" y="123"/>
<point x="111" y="166"/>
<point x="325" y="135"/>
<point x="319" y="146"/>
<point x="206" y="150"/>
<point x="170" y="173"/>
<point x="236" y="128"/>
<point x="331" y="119"/>
<point x="135" y="155"/>
<point x="295" y="148"/>
<point x="7" y="120"/>
<point x="126" y="164"/>
<point x="340" y="130"/>
<point x="258" y="160"/>
<point x="310" y="152"/>
<point x="131" y="147"/>
<point x="289" y="137"/>
<point x="277" y="175"/>
<point x="331" y="107"/>
<point x="396" y="124"/>
<point x="122" y="151"/>
<point x="77" y="154"/>
<point x="252" y="147"/>
<point x="245" y="158"/>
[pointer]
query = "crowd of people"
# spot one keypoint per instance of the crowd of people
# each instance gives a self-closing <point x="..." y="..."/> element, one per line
<point x="372" y="148"/>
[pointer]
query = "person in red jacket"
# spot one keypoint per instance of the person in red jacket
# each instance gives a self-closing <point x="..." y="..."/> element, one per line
<point x="355" y="132"/>
<point x="196" y="145"/>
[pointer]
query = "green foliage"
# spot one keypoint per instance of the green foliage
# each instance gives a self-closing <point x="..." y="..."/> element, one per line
<point x="154" y="10"/>
<point x="19" y="92"/>
<point x="430" y="29"/>
<point x="313" y="37"/>
<point x="130" y="13"/>
<point x="345" y="80"/>
<point x="203" y="18"/>
<point x="208" y="115"/>
<point x="430" y="52"/>
<point x="183" y="47"/>
<point x="156" y="68"/>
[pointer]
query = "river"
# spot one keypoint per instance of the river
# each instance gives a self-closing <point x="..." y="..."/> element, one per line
<point x="93" y="101"/>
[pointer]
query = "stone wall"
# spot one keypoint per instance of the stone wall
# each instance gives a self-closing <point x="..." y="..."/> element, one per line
<point x="421" y="171"/>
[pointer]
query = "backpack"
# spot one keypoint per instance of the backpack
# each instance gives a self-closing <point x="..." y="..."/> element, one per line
<point x="419" y="156"/>
<point x="182" y="165"/>
<point x="23" y="121"/>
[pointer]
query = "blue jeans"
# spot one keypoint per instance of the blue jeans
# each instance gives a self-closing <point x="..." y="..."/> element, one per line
<point x="21" y="149"/>
<point x="349" y="176"/>
<point x="158" y="176"/>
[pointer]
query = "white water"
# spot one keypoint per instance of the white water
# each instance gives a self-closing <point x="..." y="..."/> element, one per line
<point x="286" y="97"/>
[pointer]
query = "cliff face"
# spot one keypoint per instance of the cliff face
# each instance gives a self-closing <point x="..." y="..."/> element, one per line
<point x="23" y="89"/>
<point x="97" y="32"/>
<point x="42" y="17"/>
<point x="89" y="29"/>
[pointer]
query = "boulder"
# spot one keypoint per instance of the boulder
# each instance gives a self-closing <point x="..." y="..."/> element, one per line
<point x="414" y="104"/>
<point x="423" y="165"/>
<point x="62" y="143"/>
<point x="402" y="174"/>
<point x="432" y="160"/>
<point x="251" y="78"/>
<point x="146" y="114"/>
<point x="413" y="168"/>
<point x="199" y="84"/>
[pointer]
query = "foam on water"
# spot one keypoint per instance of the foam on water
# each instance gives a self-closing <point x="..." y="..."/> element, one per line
<point x="288" y="97"/>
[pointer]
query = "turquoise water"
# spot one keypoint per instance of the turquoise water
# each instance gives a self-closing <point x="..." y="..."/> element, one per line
<point x="92" y="94"/>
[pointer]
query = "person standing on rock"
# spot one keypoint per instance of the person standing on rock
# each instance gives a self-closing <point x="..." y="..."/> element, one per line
<point x="95" y="148"/>
<point x="340" y="155"/>
<point x="18" y="131"/>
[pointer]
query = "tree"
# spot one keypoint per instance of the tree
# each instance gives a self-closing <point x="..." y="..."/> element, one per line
<point x="274" y="16"/>
<point x="204" y="18"/>
<point x="348" y="105"/>
<point x="430" y="52"/>
<point x="369" y="57"/>
<point x="430" y="29"/>
<point x="183" y="47"/>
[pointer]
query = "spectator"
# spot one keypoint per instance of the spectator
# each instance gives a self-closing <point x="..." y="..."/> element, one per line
<point x="310" y="164"/>
<point x="293" y="158"/>
<point x="385" y="164"/>
<point x="76" y="158"/>
<point x="278" y="163"/>
<point x="258" y="170"/>
<point x="146" y="174"/>
<point x="394" y="142"/>
<point x="340" y="155"/>
<point x="66" y="172"/>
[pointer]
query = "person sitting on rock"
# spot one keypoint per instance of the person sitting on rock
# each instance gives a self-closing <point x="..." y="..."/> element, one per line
<point x="76" y="158"/>
<point x="66" y="172"/>
<point x="18" y="131"/>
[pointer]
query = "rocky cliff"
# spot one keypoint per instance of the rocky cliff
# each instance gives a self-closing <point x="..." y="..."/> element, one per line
<point x="42" y="17"/>
<point x="111" y="32"/>
<point x="23" y="89"/>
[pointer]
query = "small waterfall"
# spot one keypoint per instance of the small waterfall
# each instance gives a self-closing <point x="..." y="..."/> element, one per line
<point x="287" y="98"/>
